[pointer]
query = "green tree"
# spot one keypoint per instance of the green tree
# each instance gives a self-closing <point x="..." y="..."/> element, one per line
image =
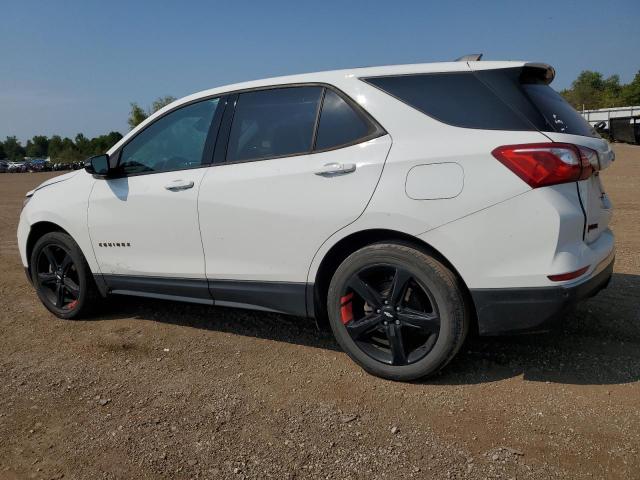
<point x="611" y="90"/>
<point x="37" y="147"/>
<point x="55" y="146"/>
<point x="65" y="150"/>
<point x="3" y="155"/>
<point x="586" y="90"/>
<point x="631" y="92"/>
<point x="13" y="149"/>
<point x="83" y="145"/>
<point x="591" y="90"/>
<point x="136" y="116"/>
<point x="161" y="102"/>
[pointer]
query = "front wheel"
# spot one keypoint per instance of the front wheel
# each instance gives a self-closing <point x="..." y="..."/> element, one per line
<point x="61" y="276"/>
<point x="397" y="311"/>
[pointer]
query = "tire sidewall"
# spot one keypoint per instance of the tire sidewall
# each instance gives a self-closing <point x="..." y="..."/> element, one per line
<point x="429" y="275"/>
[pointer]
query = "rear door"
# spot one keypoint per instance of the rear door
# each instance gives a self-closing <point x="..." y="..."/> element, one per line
<point x="301" y="163"/>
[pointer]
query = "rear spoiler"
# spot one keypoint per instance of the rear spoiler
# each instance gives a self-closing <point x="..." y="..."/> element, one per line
<point x="540" y="73"/>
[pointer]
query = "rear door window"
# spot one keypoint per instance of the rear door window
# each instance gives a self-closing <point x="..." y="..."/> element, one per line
<point x="273" y="123"/>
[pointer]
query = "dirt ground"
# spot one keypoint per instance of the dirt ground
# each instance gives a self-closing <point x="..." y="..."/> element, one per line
<point x="155" y="389"/>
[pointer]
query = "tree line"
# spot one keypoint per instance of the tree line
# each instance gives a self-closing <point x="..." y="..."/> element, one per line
<point x="590" y="90"/>
<point x="60" y="149"/>
<point x="66" y="150"/>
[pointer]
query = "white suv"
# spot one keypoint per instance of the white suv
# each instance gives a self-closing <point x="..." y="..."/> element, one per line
<point x="402" y="206"/>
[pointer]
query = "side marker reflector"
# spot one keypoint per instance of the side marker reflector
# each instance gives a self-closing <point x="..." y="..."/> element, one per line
<point x="568" y="276"/>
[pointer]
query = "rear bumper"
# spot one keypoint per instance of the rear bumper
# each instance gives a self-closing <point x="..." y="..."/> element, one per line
<point x="521" y="310"/>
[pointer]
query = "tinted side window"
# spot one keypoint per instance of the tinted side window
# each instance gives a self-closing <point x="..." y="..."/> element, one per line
<point x="339" y="123"/>
<point x="459" y="99"/>
<point x="273" y="123"/>
<point x="175" y="141"/>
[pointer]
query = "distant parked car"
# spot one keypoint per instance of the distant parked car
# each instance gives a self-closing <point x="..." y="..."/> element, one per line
<point x="17" y="167"/>
<point x="37" y="165"/>
<point x="4" y="166"/>
<point x="59" y="166"/>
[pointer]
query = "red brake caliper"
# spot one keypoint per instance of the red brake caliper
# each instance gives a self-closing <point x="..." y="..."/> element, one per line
<point x="346" y="310"/>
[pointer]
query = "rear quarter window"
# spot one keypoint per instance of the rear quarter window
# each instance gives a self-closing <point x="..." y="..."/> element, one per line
<point x="340" y="124"/>
<point x="501" y="99"/>
<point x="459" y="99"/>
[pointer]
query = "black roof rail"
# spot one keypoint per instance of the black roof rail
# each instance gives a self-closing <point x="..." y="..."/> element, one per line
<point x="474" y="57"/>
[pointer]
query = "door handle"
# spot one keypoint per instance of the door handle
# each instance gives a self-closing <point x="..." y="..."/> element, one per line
<point x="331" y="169"/>
<point x="178" y="185"/>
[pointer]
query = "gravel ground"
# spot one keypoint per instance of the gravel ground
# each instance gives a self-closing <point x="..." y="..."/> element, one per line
<point x="154" y="389"/>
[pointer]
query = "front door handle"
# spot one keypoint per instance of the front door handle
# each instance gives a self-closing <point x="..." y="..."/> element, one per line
<point x="178" y="185"/>
<point x="331" y="169"/>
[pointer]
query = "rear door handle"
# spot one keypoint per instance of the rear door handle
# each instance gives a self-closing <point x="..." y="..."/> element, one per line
<point x="331" y="169"/>
<point x="178" y="185"/>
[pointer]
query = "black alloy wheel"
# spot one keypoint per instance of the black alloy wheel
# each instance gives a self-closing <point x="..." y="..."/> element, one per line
<point x="389" y="315"/>
<point x="57" y="277"/>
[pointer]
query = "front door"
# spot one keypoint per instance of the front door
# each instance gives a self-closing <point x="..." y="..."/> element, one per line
<point x="144" y="222"/>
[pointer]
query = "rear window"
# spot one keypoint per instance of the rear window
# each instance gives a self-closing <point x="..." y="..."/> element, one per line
<point x="562" y="116"/>
<point x="488" y="99"/>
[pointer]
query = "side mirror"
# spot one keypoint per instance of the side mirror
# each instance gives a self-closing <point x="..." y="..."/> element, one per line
<point x="98" y="165"/>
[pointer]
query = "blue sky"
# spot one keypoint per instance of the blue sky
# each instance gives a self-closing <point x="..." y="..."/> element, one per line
<point x="75" y="66"/>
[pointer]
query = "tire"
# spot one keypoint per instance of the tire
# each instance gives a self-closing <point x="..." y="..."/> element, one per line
<point x="419" y="329"/>
<point x="57" y="263"/>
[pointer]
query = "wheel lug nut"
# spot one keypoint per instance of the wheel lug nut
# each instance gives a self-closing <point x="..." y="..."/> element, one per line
<point x="397" y="322"/>
<point x="386" y="302"/>
<point x="378" y="311"/>
<point x="397" y="309"/>
<point x="386" y="323"/>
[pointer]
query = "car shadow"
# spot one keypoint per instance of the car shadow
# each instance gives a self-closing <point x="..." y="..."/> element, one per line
<point x="597" y="344"/>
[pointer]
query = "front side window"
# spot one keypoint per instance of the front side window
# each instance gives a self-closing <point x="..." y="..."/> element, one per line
<point x="174" y="142"/>
<point x="273" y="123"/>
<point x="339" y="123"/>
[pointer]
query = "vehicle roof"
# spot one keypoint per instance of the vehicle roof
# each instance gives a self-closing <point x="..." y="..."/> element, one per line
<point x="326" y="76"/>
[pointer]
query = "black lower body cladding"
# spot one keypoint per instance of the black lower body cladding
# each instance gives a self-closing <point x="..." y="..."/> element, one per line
<point x="522" y="310"/>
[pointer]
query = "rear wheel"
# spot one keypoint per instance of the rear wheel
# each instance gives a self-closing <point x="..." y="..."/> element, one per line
<point x="396" y="311"/>
<point x="61" y="276"/>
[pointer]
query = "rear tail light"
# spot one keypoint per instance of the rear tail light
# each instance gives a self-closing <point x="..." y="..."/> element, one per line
<point x="543" y="164"/>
